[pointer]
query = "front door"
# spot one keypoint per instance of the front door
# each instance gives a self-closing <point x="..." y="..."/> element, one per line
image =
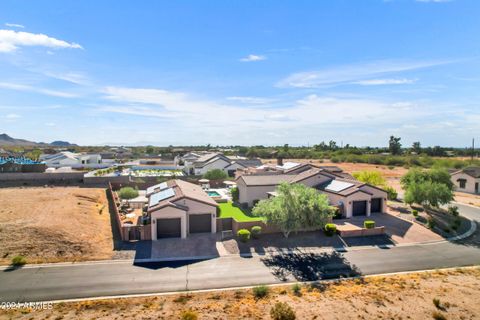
<point x="476" y="187"/>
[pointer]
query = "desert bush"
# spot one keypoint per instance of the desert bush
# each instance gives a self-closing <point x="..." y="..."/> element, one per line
<point x="244" y="235"/>
<point x="431" y="223"/>
<point x="260" y="292"/>
<point x="297" y="289"/>
<point x="282" y="311"/>
<point x="330" y="229"/>
<point x="127" y="193"/>
<point x="189" y="315"/>
<point x="438" y="315"/>
<point x="453" y="210"/>
<point x="19" y="261"/>
<point x="415" y="213"/>
<point x="392" y="194"/>
<point x="369" y="224"/>
<point x="256" y="231"/>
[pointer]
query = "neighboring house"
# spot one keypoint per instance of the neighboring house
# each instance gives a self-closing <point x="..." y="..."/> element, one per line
<point x="467" y="180"/>
<point x="178" y="209"/>
<point x="241" y="164"/>
<point x="209" y="162"/>
<point x="354" y="198"/>
<point x="20" y="164"/>
<point x="73" y="160"/>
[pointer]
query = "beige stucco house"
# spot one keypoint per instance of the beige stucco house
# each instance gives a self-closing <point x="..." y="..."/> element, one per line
<point x="178" y="208"/>
<point x="467" y="180"/>
<point x="354" y="198"/>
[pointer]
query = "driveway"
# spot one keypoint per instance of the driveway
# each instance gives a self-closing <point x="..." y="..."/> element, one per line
<point x="195" y="246"/>
<point x="399" y="230"/>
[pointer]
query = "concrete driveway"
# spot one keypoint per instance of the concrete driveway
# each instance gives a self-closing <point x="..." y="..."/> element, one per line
<point x="399" y="230"/>
<point x="195" y="246"/>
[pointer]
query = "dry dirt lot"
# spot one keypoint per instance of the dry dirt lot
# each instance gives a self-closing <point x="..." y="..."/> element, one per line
<point x="54" y="224"/>
<point x="408" y="296"/>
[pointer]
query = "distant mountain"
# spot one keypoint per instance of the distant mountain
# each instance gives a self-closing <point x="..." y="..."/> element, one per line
<point x="59" y="143"/>
<point x="6" y="140"/>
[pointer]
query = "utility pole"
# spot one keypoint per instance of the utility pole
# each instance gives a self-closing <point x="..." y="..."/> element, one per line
<point x="473" y="148"/>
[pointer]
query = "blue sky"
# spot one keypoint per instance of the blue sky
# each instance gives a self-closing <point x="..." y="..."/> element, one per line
<point x="241" y="72"/>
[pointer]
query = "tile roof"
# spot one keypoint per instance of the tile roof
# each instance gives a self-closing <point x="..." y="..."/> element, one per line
<point x="471" y="171"/>
<point x="181" y="190"/>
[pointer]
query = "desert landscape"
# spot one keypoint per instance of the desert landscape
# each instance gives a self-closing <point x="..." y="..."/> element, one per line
<point x="52" y="224"/>
<point x="445" y="294"/>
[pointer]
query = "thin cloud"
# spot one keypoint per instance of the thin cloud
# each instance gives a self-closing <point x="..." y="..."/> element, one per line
<point x="11" y="40"/>
<point x="380" y="82"/>
<point x="28" y="88"/>
<point x="14" y="25"/>
<point x="252" y="58"/>
<point x="250" y="100"/>
<point x="353" y="73"/>
<point x="12" y="116"/>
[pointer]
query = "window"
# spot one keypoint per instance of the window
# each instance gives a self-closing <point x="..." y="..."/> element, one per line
<point x="462" y="183"/>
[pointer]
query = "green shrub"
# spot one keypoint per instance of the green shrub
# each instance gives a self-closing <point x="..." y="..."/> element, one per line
<point x="235" y="194"/>
<point x="415" y="213"/>
<point x="256" y="231"/>
<point x="453" y="210"/>
<point x="260" y="292"/>
<point x="297" y="289"/>
<point x="330" y="229"/>
<point x="392" y="194"/>
<point x="431" y="223"/>
<point x="282" y="311"/>
<point x="369" y="224"/>
<point x="189" y="315"/>
<point x="215" y="174"/>
<point x="19" y="261"/>
<point x="127" y="193"/>
<point x="244" y="235"/>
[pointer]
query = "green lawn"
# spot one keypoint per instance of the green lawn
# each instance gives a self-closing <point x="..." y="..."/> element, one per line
<point x="227" y="210"/>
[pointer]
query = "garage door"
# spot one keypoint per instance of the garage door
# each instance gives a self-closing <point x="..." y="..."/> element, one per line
<point x="376" y="205"/>
<point x="359" y="208"/>
<point x="169" y="228"/>
<point x="200" y="223"/>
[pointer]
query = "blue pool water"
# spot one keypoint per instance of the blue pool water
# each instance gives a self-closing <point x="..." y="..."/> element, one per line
<point x="213" y="193"/>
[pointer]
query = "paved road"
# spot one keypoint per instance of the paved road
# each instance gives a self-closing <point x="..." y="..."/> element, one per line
<point x="104" y="279"/>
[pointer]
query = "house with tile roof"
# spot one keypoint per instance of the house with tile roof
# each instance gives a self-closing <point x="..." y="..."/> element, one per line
<point x="352" y="197"/>
<point x="178" y="208"/>
<point x="467" y="180"/>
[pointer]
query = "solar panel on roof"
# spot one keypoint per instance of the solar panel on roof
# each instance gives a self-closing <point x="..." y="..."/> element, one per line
<point x="157" y="187"/>
<point x="160" y="196"/>
<point x="338" y="186"/>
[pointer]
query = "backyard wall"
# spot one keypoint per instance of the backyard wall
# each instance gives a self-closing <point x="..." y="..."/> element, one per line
<point x="37" y="178"/>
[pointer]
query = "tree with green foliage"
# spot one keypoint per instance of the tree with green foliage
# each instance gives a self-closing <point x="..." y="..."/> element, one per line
<point x="296" y="207"/>
<point x="427" y="187"/>
<point x="374" y="178"/>
<point x="215" y="174"/>
<point x="127" y="193"/>
<point x="235" y="194"/>
<point x="416" y="147"/>
<point x="394" y="145"/>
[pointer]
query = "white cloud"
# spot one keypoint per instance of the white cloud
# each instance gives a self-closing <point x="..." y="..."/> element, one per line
<point x="378" y="82"/>
<point x="28" y="88"/>
<point x="72" y="77"/>
<point x="353" y="73"/>
<point x="50" y="124"/>
<point x="11" y="40"/>
<point x="14" y="25"/>
<point x="12" y="116"/>
<point x="253" y="57"/>
<point x="250" y="100"/>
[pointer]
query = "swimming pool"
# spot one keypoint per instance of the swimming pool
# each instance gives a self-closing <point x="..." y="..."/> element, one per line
<point x="213" y="193"/>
